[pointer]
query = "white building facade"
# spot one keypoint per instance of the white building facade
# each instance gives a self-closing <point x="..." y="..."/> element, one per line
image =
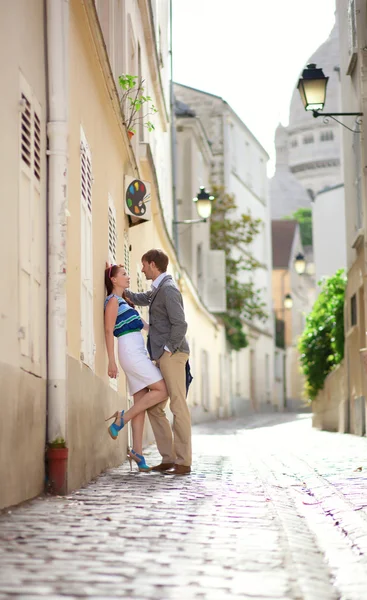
<point x="239" y="165"/>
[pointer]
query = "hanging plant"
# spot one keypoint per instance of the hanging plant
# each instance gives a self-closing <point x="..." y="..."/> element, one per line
<point x="134" y="103"/>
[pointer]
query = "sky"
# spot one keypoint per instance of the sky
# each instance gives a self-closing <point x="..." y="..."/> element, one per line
<point x="249" y="52"/>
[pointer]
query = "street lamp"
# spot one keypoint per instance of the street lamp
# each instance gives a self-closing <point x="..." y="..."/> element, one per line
<point x="312" y="88"/>
<point x="300" y="264"/>
<point x="288" y="301"/>
<point x="203" y="202"/>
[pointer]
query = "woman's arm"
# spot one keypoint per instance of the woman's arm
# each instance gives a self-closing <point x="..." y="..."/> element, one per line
<point x="110" y="317"/>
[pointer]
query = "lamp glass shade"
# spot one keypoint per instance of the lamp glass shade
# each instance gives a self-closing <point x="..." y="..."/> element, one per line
<point x="203" y="203"/>
<point x="312" y="88"/>
<point x="288" y="301"/>
<point x="300" y="264"/>
<point x="204" y="208"/>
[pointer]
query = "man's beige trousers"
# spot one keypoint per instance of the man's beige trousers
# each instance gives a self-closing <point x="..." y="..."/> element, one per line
<point x="174" y="448"/>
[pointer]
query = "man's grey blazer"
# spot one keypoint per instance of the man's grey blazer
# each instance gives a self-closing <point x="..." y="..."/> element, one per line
<point x="167" y="325"/>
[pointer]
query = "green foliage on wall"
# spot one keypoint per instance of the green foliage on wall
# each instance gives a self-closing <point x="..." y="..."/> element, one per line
<point x="304" y="218"/>
<point x="321" y="344"/>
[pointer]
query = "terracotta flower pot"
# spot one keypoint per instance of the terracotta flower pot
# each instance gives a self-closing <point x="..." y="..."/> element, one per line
<point x="130" y="134"/>
<point x="57" y="462"/>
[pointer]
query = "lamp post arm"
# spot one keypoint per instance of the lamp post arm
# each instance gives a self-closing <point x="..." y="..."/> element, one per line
<point x="189" y="221"/>
<point x="328" y="116"/>
<point x="317" y="113"/>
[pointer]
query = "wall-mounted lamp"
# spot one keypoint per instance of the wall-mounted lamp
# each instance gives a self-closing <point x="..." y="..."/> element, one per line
<point x="300" y="264"/>
<point x="288" y="301"/>
<point x="312" y="88"/>
<point x="203" y="203"/>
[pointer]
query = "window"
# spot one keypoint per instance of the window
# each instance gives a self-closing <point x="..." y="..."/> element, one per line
<point x="294" y="143"/>
<point x="112" y="234"/>
<point x="308" y="139"/>
<point x="87" y="350"/>
<point x="326" y="136"/>
<point x="31" y="228"/>
<point x="353" y="310"/>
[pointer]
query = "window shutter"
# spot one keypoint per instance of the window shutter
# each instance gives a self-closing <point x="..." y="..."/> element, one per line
<point x="126" y="253"/>
<point x="30" y="229"/>
<point x="352" y="37"/>
<point x="112" y="231"/>
<point x="87" y="322"/>
<point x="112" y="246"/>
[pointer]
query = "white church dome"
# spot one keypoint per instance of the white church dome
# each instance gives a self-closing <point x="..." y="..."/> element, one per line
<point x="286" y="193"/>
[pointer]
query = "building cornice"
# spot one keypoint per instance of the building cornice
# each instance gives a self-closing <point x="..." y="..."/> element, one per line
<point x="315" y="164"/>
<point x="195" y="124"/>
<point x="229" y="109"/>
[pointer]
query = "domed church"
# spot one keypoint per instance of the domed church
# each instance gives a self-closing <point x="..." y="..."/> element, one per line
<point x="308" y="154"/>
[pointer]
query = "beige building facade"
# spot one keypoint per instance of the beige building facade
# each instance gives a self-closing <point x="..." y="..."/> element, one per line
<point x="23" y="358"/>
<point x="69" y="160"/>
<point x="351" y="17"/>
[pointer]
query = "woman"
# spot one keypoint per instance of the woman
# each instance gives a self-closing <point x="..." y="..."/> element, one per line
<point x="144" y="379"/>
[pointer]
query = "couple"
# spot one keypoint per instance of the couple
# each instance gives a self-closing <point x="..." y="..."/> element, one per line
<point x="149" y="385"/>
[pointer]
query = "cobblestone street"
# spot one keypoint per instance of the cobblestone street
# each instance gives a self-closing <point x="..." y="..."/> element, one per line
<point x="272" y="510"/>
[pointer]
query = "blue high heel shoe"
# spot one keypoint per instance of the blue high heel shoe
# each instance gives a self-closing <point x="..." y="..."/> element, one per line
<point x="139" y="459"/>
<point x="114" y="429"/>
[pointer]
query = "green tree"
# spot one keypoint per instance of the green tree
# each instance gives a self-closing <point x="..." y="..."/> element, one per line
<point x="321" y="344"/>
<point x="304" y="218"/>
<point x="234" y="234"/>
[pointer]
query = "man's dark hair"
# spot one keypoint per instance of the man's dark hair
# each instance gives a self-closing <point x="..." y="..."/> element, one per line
<point x="158" y="257"/>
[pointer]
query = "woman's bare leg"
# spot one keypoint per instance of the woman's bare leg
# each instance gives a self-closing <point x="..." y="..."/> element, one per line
<point x="137" y="424"/>
<point x="157" y="393"/>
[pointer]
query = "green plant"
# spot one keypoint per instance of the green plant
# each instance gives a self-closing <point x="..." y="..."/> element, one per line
<point x="58" y="442"/>
<point x="133" y="100"/>
<point x="234" y="234"/>
<point x="321" y="344"/>
<point x="304" y="218"/>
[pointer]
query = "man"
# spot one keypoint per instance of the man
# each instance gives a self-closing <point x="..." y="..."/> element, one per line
<point x="167" y="345"/>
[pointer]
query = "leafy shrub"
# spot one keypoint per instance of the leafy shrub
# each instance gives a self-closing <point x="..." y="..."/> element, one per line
<point x="321" y="344"/>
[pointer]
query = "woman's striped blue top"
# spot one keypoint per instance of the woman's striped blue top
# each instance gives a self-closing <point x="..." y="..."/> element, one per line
<point x="128" y="319"/>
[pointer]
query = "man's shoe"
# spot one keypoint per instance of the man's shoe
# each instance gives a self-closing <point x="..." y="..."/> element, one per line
<point x="163" y="467"/>
<point x="179" y="470"/>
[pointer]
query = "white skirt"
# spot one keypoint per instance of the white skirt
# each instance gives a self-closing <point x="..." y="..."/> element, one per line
<point x="134" y="360"/>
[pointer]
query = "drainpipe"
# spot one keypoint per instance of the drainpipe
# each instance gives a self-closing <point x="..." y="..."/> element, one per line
<point x="57" y="22"/>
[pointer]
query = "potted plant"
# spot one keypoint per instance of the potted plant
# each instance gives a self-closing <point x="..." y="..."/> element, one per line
<point x="57" y="458"/>
<point x="133" y="102"/>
